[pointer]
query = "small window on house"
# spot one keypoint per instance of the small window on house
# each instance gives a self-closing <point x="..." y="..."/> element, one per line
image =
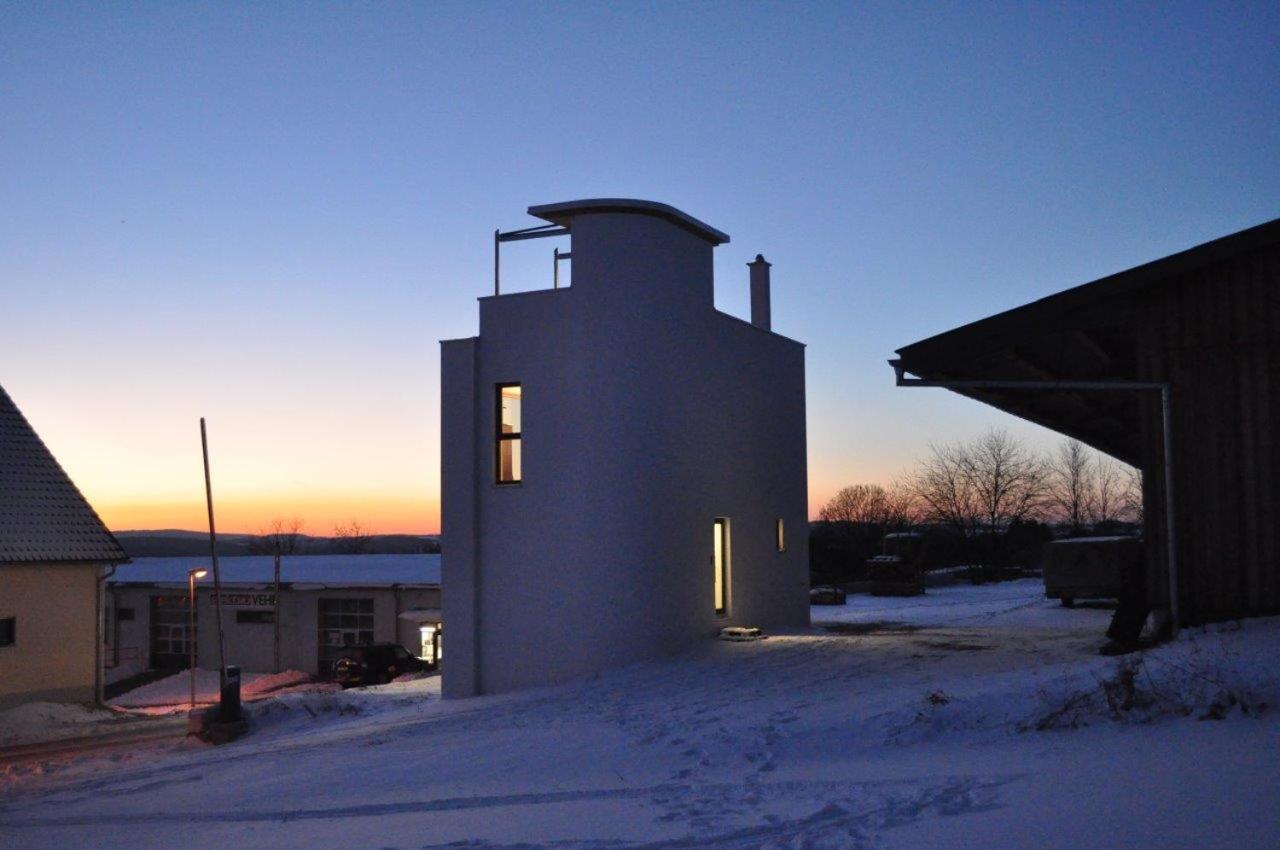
<point x="124" y="615"/>
<point x="8" y="630"/>
<point x="255" y="616"/>
<point x="508" y="459"/>
<point x="780" y="533"/>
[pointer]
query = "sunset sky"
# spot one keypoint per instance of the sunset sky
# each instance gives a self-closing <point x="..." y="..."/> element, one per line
<point x="268" y="215"/>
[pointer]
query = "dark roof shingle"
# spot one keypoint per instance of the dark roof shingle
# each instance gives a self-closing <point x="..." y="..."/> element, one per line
<point x="43" y="517"/>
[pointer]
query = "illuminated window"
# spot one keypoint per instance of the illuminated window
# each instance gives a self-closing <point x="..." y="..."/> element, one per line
<point x="8" y="631"/>
<point x="781" y="535"/>
<point x="508" y="442"/>
<point x="720" y="565"/>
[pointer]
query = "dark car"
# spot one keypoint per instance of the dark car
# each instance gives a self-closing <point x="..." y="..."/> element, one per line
<point x="827" y="595"/>
<point x="375" y="664"/>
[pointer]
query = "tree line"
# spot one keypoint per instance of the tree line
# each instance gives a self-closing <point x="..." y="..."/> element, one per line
<point x="988" y="495"/>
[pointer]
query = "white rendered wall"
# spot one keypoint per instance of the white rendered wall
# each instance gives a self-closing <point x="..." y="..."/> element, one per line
<point x="646" y="415"/>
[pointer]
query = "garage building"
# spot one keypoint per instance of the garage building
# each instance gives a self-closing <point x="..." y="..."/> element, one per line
<point x="325" y="605"/>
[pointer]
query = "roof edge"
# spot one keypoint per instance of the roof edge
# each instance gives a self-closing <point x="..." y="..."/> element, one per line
<point x="1138" y="277"/>
<point x="562" y="213"/>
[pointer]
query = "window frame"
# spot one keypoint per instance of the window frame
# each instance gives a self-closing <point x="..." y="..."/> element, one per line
<point x="500" y="437"/>
<point x="11" y="627"/>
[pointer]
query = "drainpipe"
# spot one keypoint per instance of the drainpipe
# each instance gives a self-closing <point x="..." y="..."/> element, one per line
<point x="1171" y="551"/>
<point x="99" y="633"/>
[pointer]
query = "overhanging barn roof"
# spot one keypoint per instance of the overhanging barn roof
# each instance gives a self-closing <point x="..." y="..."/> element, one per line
<point x="43" y="517"/>
<point x="1087" y="333"/>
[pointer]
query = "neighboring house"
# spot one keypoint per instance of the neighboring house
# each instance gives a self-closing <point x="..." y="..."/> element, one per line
<point x="54" y="552"/>
<point x="326" y="605"/>
<point x="1199" y="329"/>
<point x="623" y="466"/>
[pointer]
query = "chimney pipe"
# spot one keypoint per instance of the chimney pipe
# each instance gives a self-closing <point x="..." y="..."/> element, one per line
<point x="760" y="314"/>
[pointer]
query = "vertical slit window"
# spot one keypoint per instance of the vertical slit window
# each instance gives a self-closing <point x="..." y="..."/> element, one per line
<point x="781" y="534"/>
<point x="720" y="565"/>
<point x="508" y="456"/>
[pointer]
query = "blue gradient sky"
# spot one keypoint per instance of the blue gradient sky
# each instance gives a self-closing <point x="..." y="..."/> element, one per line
<point x="270" y="215"/>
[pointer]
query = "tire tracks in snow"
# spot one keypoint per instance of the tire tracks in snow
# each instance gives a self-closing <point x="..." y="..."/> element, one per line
<point x="844" y="806"/>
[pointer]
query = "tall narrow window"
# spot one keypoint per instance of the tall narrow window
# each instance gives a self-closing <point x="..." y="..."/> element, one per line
<point x="508" y="442"/>
<point x="8" y="631"/>
<point x="781" y="533"/>
<point x="720" y="565"/>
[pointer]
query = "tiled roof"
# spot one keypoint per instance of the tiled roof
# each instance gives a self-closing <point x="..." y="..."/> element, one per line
<point x="43" y="517"/>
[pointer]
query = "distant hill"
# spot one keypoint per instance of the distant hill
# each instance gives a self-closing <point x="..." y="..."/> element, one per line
<point x="176" y="543"/>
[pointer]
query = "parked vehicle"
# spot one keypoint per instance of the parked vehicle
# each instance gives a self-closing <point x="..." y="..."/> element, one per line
<point x="826" y="595"/>
<point x="375" y="664"/>
<point x="1088" y="567"/>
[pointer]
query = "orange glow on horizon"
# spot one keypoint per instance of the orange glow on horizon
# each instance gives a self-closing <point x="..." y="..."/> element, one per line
<point x="252" y="515"/>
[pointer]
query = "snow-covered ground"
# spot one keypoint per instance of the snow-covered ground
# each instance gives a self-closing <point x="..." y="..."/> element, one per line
<point x="973" y="717"/>
<point x="53" y="721"/>
<point x="173" y="693"/>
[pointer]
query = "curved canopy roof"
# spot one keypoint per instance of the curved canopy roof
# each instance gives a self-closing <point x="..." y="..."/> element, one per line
<point x="562" y="213"/>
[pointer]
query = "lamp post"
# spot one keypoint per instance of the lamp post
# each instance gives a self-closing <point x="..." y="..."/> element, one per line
<point x="192" y="575"/>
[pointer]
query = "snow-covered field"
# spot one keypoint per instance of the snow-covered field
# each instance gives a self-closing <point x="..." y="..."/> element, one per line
<point x="973" y="717"/>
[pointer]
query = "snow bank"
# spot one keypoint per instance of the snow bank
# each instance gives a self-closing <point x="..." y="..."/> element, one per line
<point x="173" y="693"/>
<point x="42" y="721"/>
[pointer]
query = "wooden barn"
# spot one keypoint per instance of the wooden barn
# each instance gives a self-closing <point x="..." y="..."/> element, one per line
<point x="1185" y="351"/>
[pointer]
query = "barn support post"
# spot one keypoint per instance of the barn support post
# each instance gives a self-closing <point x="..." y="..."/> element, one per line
<point x="1166" y="411"/>
<point x="1171" y="556"/>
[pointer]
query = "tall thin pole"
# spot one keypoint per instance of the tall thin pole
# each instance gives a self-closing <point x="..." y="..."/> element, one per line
<point x="276" y="614"/>
<point x="213" y="555"/>
<point x="191" y="633"/>
<point x="496" y="261"/>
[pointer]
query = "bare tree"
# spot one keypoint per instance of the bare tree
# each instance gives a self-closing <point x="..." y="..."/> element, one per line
<point x="901" y="505"/>
<point x="1131" y="500"/>
<point x="872" y="505"/>
<point x="1074" y="485"/>
<point x="860" y="503"/>
<point x="1110" y="478"/>
<point x="351" y="539"/>
<point x="945" y="490"/>
<point x="1011" y="482"/>
<point x="982" y="486"/>
<point x="280" y="537"/>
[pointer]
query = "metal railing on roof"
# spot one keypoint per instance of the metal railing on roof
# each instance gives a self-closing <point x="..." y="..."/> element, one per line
<point x="538" y="232"/>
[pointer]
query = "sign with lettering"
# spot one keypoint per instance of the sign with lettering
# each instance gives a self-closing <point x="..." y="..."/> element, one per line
<point x="247" y="600"/>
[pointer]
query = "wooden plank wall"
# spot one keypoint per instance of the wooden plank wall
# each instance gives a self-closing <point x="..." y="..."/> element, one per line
<point x="1215" y="334"/>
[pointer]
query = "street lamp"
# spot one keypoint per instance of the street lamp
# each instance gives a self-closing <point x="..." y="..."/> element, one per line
<point x="192" y="575"/>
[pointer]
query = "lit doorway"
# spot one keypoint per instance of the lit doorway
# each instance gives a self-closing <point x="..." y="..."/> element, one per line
<point x="432" y="646"/>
